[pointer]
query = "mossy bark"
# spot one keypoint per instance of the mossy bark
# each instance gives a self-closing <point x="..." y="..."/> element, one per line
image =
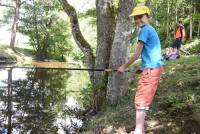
<point x="78" y="36"/>
<point x="105" y="35"/>
<point x="118" y="83"/>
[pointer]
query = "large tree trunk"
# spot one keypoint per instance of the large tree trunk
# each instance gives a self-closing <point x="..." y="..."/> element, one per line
<point x="118" y="83"/>
<point x="105" y="34"/>
<point x="15" y="24"/>
<point x="78" y="37"/>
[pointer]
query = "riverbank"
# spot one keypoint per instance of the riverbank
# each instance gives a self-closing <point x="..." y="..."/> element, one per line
<point x="22" y="56"/>
<point x="25" y="57"/>
<point x="175" y="109"/>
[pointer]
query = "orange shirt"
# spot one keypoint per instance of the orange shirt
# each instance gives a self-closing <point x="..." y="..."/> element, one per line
<point x="180" y="31"/>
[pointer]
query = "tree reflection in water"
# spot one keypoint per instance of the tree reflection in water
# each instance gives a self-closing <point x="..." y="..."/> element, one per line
<point x="33" y="104"/>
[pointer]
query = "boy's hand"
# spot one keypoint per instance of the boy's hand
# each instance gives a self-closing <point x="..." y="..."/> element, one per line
<point x="121" y="69"/>
<point x="108" y="70"/>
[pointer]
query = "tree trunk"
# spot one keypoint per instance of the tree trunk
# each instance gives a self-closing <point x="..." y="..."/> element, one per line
<point x="198" y="33"/>
<point x="36" y="27"/>
<point x="105" y="35"/>
<point x="43" y="53"/>
<point x="15" y="24"/>
<point x="167" y="27"/>
<point x="9" y="112"/>
<point x="191" y="21"/>
<point x="156" y="16"/>
<point x="176" y="18"/>
<point x="118" y="83"/>
<point x="78" y="37"/>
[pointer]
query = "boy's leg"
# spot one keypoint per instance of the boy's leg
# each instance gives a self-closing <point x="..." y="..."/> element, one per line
<point x="146" y="89"/>
<point x="140" y="120"/>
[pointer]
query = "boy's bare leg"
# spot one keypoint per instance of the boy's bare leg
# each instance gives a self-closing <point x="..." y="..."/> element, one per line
<point x="140" y="120"/>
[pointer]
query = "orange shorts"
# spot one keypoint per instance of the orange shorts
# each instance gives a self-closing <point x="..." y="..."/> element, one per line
<point x="147" y="86"/>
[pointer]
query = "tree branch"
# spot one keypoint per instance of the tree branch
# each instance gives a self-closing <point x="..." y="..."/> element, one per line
<point x="78" y="37"/>
<point x="2" y="5"/>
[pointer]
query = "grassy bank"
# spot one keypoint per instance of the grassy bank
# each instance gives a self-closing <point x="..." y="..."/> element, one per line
<point x="23" y="56"/>
<point x="176" y="101"/>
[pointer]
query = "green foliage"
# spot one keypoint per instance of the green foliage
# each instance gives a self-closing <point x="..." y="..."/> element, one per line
<point x="8" y="15"/>
<point x="180" y="87"/>
<point x="196" y="16"/>
<point x="48" y="31"/>
<point x="86" y="96"/>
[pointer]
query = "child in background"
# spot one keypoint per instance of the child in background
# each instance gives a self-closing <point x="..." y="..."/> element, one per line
<point x="179" y="35"/>
<point x="152" y="65"/>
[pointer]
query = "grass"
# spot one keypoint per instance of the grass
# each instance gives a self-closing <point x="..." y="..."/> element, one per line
<point x="24" y="56"/>
<point x="177" y="97"/>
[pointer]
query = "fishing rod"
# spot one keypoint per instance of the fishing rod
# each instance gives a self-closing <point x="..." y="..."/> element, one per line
<point x="69" y="69"/>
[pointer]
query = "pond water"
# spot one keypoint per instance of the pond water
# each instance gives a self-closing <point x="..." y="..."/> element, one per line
<point x="38" y="101"/>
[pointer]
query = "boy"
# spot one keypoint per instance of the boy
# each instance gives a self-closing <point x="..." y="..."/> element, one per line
<point x="179" y="35"/>
<point x="152" y="65"/>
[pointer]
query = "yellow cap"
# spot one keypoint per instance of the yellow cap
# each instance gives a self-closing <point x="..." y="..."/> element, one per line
<point x="139" y="10"/>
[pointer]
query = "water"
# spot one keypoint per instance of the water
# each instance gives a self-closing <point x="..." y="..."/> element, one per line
<point x="34" y="101"/>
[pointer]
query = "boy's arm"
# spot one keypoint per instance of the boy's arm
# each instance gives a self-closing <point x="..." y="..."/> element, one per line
<point x="137" y="54"/>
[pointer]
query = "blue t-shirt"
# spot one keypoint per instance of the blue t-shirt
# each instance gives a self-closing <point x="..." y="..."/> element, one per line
<point x="151" y="52"/>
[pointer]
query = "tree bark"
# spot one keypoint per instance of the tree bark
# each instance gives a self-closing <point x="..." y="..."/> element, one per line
<point x="35" y="23"/>
<point x="198" y="33"/>
<point x="78" y="37"/>
<point x="15" y="24"/>
<point x="167" y="26"/>
<point x="105" y="35"/>
<point x="43" y="52"/>
<point x="118" y="83"/>
<point x="191" y="21"/>
<point x="9" y="101"/>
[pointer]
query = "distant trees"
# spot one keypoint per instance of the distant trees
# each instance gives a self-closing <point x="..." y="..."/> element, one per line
<point x="170" y="11"/>
<point x="15" y="23"/>
<point x="47" y="29"/>
<point x="44" y="24"/>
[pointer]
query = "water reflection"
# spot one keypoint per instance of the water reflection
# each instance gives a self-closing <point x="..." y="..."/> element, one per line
<point x="34" y="101"/>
